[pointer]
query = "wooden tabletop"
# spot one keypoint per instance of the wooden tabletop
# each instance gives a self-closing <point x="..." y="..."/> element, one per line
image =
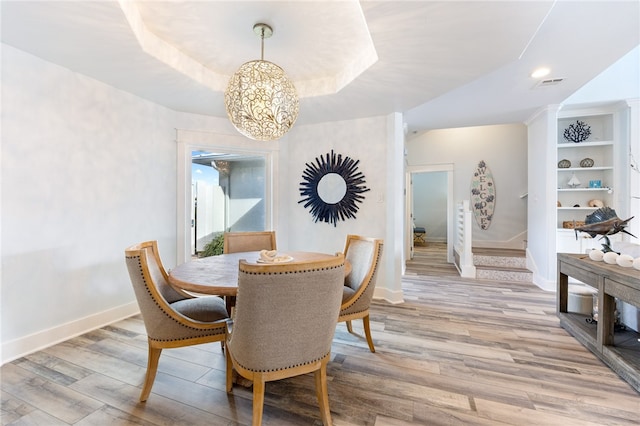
<point x="627" y="276"/>
<point x="218" y="275"/>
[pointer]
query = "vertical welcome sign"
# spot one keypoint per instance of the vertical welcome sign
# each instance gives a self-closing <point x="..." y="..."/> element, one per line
<point x="483" y="195"/>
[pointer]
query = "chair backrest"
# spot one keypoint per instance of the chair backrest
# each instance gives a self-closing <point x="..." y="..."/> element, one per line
<point x="236" y="242"/>
<point x="286" y="314"/>
<point x="149" y="284"/>
<point x="159" y="273"/>
<point x="364" y="255"/>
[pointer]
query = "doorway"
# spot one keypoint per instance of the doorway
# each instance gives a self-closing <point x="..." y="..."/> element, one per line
<point x="430" y="205"/>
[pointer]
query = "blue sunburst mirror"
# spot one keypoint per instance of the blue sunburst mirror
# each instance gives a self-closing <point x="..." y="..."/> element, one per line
<point x="332" y="187"/>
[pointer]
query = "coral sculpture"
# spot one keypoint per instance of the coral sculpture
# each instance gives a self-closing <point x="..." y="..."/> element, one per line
<point x="578" y="132"/>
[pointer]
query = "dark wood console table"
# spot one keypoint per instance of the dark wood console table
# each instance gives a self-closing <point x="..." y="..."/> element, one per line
<point x="620" y="350"/>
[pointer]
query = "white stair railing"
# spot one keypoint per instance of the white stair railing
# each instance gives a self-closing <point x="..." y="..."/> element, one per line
<point x="463" y="253"/>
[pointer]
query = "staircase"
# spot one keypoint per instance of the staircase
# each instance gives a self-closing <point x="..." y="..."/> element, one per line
<point x="501" y="265"/>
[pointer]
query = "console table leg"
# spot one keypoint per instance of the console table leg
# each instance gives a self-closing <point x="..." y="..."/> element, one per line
<point x="562" y="296"/>
<point x="607" y="318"/>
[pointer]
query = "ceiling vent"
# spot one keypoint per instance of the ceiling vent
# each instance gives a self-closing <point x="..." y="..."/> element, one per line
<point x="549" y="82"/>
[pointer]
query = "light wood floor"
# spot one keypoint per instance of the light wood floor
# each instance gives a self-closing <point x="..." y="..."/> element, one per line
<point x="457" y="352"/>
<point x="431" y="259"/>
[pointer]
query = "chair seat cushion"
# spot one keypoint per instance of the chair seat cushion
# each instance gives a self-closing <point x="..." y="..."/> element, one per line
<point x="205" y="309"/>
<point x="347" y="293"/>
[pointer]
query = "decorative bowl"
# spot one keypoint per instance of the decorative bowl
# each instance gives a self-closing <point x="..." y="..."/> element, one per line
<point x="564" y="164"/>
<point x="586" y="162"/>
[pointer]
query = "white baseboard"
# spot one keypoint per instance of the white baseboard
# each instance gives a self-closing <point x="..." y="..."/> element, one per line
<point x="518" y="242"/>
<point x="22" y="346"/>
<point x="543" y="283"/>
<point x="393" y="297"/>
<point x="537" y="279"/>
<point x="436" y="240"/>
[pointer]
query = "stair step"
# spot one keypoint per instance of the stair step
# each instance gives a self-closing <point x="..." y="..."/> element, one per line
<point x="498" y="252"/>
<point x="501" y="264"/>
<point x="500" y="261"/>
<point x="503" y="274"/>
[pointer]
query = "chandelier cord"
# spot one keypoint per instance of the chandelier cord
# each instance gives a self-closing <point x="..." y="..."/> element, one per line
<point x="262" y="44"/>
<point x="261" y="102"/>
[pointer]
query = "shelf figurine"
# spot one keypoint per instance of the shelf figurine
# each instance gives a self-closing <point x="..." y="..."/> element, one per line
<point x="573" y="182"/>
<point x="604" y="222"/>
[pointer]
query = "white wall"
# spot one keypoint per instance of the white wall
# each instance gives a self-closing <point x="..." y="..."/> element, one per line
<point x="86" y="171"/>
<point x="504" y="149"/>
<point x="362" y="140"/>
<point x="541" y="253"/>
<point x="81" y="181"/>
<point x="247" y="196"/>
<point x="620" y="81"/>
<point x="368" y="140"/>
<point x="430" y="191"/>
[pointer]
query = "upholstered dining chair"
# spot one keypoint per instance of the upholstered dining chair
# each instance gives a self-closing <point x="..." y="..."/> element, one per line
<point x="235" y="242"/>
<point x="172" y="318"/>
<point x="283" y="325"/>
<point x="364" y="255"/>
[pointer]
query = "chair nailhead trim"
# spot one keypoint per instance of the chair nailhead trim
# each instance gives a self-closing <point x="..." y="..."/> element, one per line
<point x="284" y="368"/>
<point x="291" y="272"/>
<point x="221" y="330"/>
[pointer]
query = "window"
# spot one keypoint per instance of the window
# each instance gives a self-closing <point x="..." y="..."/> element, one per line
<point x="228" y="193"/>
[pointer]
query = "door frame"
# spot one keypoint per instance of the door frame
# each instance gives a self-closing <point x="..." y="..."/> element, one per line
<point x="183" y="199"/>
<point x="410" y="170"/>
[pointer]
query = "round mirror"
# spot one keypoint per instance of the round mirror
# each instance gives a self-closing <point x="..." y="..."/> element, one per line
<point x="332" y="188"/>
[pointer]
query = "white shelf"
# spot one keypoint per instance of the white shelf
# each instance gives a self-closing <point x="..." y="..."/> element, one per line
<point x="604" y="188"/>
<point x="583" y="144"/>
<point x="583" y="169"/>
<point x="577" y="208"/>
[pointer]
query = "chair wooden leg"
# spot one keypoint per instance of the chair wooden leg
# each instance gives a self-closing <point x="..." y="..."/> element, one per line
<point x="258" y="400"/>
<point x="367" y="333"/>
<point x="323" y="393"/>
<point x="349" y="328"/>
<point x="229" y="371"/>
<point x="152" y="368"/>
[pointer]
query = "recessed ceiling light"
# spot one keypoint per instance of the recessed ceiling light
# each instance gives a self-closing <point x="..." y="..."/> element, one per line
<point x="540" y="72"/>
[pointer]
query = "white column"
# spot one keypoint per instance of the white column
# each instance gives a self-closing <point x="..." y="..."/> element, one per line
<point x="634" y="173"/>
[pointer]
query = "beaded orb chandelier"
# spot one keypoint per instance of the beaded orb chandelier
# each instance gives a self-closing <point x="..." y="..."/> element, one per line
<point x="261" y="102"/>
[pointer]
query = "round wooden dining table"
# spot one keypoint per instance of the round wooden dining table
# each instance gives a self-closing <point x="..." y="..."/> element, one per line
<point x="218" y="275"/>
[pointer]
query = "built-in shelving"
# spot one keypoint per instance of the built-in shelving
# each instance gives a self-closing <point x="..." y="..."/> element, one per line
<point x="596" y="171"/>
<point x="596" y="179"/>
